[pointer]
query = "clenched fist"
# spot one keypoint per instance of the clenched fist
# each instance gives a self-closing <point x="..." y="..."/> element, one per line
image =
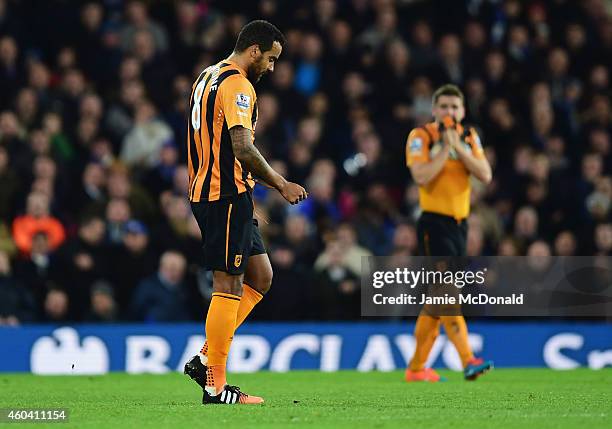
<point x="293" y="192"/>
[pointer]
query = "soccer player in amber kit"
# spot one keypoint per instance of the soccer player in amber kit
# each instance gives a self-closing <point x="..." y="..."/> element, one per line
<point x="442" y="155"/>
<point x="222" y="156"/>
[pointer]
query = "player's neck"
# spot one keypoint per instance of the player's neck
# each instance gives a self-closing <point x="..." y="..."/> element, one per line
<point x="239" y="60"/>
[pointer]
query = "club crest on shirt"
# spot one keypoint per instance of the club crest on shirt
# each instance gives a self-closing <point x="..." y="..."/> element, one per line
<point x="243" y="101"/>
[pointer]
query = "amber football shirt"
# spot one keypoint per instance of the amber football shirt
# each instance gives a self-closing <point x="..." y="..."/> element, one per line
<point x="222" y="97"/>
<point x="449" y="192"/>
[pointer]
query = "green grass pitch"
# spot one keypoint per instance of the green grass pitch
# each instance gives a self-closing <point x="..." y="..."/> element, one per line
<point x="504" y="398"/>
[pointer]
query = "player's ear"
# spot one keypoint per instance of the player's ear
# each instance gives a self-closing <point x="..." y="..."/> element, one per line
<point x="253" y="50"/>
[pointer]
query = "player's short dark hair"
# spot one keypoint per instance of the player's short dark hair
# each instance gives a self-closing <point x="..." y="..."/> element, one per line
<point x="260" y="33"/>
<point x="448" y="89"/>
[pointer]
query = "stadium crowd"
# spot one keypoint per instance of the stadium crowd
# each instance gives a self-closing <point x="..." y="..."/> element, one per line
<point x="94" y="220"/>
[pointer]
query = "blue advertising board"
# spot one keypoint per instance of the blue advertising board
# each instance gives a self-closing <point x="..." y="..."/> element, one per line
<point x="159" y="348"/>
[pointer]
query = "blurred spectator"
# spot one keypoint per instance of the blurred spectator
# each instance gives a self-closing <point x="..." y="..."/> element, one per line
<point x="16" y="303"/>
<point x="138" y="20"/>
<point x="599" y="201"/>
<point x="526" y="225"/>
<point x="282" y="81"/>
<point x="91" y="196"/>
<point x="539" y="248"/>
<point x="298" y="234"/>
<point x="489" y="220"/>
<point x="337" y="287"/>
<point x="118" y="212"/>
<point x="133" y="261"/>
<point x="351" y="253"/>
<point x="9" y="185"/>
<point x="423" y="50"/>
<point x="6" y="240"/>
<point x="37" y="219"/>
<point x="143" y="143"/>
<point x="450" y="67"/>
<point x="508" y="247"/>
<point x="39" y="268"/>
<point x="338" y="49"/>
<point x="82" y="260"/>
<point x="121" y="187"/>
<point x="56" y="306"/>
<point x="383" y="29"/>
<point x="178" y="229"/>
<point x="161" y="176"/>
<point x="162" y="297"/>
<point x="120" y="116"/>
<point x="292" y="299"/>
<point x="308" y="71"/>
<point x="320" y="207"/>
<point x="10" y="70"/>
<point x="395" y="81"/>
<point x="156" y="69"/>
<point x="103" y="307"/>
<point x="603" y="239"/>
<point x="475" y="40"/>
<point x="421" y="92"/>
<point x="405" y="239"/>
<point x="565" y="244"/>
<point x="475" y="241"/>
<point x="375" y="221"/>
<point x="90" y="47"/>
<point x="180" y="180"/>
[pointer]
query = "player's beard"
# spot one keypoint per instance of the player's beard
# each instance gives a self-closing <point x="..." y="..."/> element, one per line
<point x="254" y="73"/>
<point x="253" y="76"/>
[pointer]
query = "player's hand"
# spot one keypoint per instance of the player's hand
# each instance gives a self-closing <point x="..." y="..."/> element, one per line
<point x="450" y="136"/>
<point x="293" y="192"/>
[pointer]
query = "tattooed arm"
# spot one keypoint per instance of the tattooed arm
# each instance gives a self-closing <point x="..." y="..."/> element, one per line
<point x="253" y="161"/>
